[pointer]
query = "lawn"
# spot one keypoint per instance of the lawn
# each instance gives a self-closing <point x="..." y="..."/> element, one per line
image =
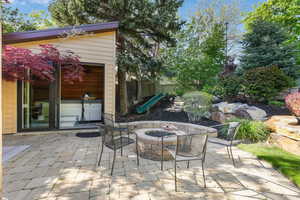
<point x="286" y="163"/>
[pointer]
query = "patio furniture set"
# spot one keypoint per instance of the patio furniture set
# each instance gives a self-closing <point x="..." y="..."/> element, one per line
<point x="164" y="143"/>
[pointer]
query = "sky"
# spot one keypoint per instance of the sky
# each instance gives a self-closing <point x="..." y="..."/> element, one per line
<point x="189" y="6"/>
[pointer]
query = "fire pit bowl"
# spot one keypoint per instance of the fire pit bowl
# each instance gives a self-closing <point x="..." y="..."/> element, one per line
<point x="150" y="142"/>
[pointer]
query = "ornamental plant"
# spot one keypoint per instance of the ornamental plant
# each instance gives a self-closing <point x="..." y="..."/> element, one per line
<point x="17" y="62"/>
<point x="197" y="105"/>
<point x="292" y="102"/>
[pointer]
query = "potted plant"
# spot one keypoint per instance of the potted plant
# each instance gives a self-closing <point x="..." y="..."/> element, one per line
<point x="292" y="102"/>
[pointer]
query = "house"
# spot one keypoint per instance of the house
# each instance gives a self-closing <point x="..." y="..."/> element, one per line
<point x="42" y="106"/>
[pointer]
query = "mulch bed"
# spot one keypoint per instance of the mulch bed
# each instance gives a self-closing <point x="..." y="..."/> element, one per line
<point x="161" y="111"/>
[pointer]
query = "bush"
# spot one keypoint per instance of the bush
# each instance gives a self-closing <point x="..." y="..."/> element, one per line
<point x="229" y="88"/>
<point x="253" y="131"/>
<point x="276" y="103"/>
<point x="264" y="83"/>
<point x="197" y="104"/>
<point x="293" y="103"/>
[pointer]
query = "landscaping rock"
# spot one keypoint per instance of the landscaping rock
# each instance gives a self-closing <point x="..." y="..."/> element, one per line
<point x="251" y="112"/>
<point x="224" y="111"/>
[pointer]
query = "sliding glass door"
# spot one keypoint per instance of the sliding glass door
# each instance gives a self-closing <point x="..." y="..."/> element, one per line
<point x="37" y="105"/>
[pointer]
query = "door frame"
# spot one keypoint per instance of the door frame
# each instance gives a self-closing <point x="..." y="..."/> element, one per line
<point x="54" y="96"/>
<point x="54" y="101"/>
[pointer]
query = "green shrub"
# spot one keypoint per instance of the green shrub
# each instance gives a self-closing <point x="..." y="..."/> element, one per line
<point x="197" y="104"/>
<point x="229" y="87"/>
<point x="276" y="103"/>
<point x="252" y="131"/>
<point x="264" y="83"/>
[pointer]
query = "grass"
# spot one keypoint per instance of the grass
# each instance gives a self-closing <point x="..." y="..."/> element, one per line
<point x="287" y="163"/>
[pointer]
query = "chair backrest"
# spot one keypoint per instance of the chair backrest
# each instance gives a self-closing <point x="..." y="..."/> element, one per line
<point x="233" y="129"/>
<point x="191" y="145"/>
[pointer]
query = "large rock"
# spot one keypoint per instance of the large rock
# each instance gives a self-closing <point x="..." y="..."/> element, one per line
<point x="286" y="133"/>
<point x="224" y="111"/>
<point x="251" y="112"/>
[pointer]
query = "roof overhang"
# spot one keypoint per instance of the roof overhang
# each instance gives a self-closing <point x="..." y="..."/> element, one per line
<point x="17" y="37"/>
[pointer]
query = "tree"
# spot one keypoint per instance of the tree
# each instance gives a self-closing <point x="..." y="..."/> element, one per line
<point x="195" y="63"/>
<point x="18" y="61"/>
<point x="15" y="21"/>
<point x="265" y="45"/>
<point x="143" y="25"/>
<point x="285" y="13"/>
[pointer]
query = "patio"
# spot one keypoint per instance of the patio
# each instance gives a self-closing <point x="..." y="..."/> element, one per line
<point x="62" y="167"/>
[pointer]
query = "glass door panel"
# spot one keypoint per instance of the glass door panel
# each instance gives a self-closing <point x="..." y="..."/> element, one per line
<point x="35" y="107"/>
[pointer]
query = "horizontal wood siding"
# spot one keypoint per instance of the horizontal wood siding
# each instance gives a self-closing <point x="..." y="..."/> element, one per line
<point x="91" y="48"/>
<point x="9" y="107"/>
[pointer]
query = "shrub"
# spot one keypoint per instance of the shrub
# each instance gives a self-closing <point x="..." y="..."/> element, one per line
<point x="276" y="103"/>
<point x="228" y="88"/>
<point x="264" y="83"/>
<point x="293" y="103"/>
<point x="197" y="104"/>
<point x="253" y="131"/>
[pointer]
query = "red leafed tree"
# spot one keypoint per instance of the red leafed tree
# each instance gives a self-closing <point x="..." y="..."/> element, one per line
<point x="17" y="62"/>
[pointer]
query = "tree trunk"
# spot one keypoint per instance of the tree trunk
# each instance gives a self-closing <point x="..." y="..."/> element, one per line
<point x="139" y="90"/>
<point x="123" y="92"/>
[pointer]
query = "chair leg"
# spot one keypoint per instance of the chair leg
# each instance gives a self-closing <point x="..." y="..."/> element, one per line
<point x="175" y="168"/>
<point x="203" y="174"/>
<point x="233" y="162"/>
<point x="113" y="164"/>
<point x="188" y="164"/>
<point x="228" y="151"/>
<point x="137" y="152"/>
<point x="121" y="143"/>
<point x="162" y="155"/>
<point x="102" y="147"/>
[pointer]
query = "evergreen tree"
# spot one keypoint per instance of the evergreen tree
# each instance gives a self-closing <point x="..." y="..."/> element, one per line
<point x="265" y="45"/>
<point x="144" y="25"/>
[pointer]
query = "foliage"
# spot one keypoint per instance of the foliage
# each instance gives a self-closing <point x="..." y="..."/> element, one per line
<point x="229" y="88"/>
<point x="253" y="131"/>
<point x="264" y="83"/>
<point x="285" y="13"/>
<point x="17" y="61"/>
<point x="292" y="102"/>
<point x="265" y="45"/>
<point x="15" y="21"/>
<point x="197" y="104"/>
<point x="285" y="162"/>
<point x="195" y="63"/>
<point x="276" y="103"/>
<point x="144" y="26"/>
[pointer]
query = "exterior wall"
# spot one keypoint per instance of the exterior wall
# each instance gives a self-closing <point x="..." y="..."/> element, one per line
<point x="91" y="48"/>
<point x="9" y="107"/>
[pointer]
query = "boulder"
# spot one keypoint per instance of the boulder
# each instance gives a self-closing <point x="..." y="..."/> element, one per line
<point x="251" y="112"/>
<point x="224" y="111"/>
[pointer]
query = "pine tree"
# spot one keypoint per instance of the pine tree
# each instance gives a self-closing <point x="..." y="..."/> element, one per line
<point x="265" y="45"/>
<point x="144" y="25"/>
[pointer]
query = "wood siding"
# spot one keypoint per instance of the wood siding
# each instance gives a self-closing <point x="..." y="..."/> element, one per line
<point x="93" y="83"/>
<point x="9" y="107"/>
<point x="92" y="48"/>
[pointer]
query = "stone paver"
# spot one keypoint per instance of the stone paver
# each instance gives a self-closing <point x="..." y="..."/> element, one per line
<point x="63" y="167"/>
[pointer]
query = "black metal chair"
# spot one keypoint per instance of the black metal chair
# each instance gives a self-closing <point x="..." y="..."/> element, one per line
<point x="232" y="130"/>
<point x="114" y="137"/>
<point x="189" y="147"/>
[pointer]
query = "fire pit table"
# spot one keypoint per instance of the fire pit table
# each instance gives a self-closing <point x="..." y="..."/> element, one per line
<point x="151" y="143"/>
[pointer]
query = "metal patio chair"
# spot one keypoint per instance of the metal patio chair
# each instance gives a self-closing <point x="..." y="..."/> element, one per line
<point x="189" y="147"/>
<point x="114" y="137"/>
<point x="233" y="128"/>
